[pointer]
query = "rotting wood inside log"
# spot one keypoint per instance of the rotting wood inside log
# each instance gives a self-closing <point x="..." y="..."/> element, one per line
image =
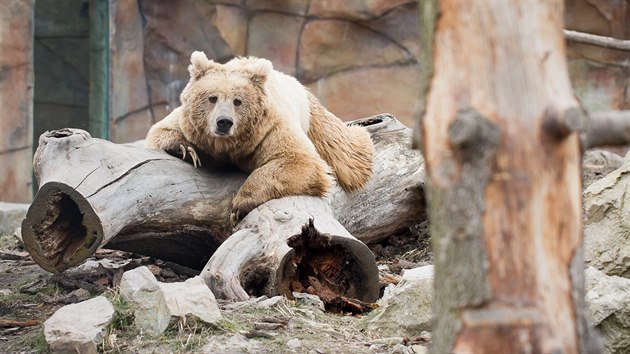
<point x="366" y="121"/>
<point x="315" y="260"/>
<point x="61" y="231"/>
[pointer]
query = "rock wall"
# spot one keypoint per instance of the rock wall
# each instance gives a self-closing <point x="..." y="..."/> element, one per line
<point x="360" y="57"/>
<point x="600" y="76"/>
<point x="16" y="100"/>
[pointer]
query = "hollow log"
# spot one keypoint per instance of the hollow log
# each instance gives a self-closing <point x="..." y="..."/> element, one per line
<point x="95" y="193"/>
<point x="280" y="246"/>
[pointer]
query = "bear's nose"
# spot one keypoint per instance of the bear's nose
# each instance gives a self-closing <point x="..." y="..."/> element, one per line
<point x="224" y="123"/>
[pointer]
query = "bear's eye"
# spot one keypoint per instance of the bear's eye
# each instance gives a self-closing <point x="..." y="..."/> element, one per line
<point x="213" y="99"/>
<point x="237" y="102"/>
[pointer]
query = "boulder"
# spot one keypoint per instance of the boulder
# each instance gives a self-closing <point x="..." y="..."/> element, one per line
<point x="405" y="310"/>
<point x="11" y="216"/>
<point x="158" y="305"/>
<point x="191" y="299"/>
<point x="608" y="301"/>
<point x="79" y="328"/>
<point x="607" y="225"/>
<point x="151" y="313"/>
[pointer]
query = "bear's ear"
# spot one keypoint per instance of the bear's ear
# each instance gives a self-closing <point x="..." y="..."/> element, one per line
<point x="200" y="65"/>
<point x="258" y="70"/>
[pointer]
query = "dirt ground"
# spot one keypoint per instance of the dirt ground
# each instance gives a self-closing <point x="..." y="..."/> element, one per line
<point x="29" y="295"/>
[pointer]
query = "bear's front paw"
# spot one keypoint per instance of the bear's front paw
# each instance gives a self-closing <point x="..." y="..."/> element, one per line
<point x="241" y="206"/>
<point x="184" y="150"/>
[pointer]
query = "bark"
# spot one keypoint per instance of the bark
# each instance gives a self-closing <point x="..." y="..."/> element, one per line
<point x="279" y="247"/>
<point x="501" y="143"/>
<point x="94" y="192"/>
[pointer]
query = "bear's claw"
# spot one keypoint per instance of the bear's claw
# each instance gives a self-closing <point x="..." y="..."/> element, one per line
<point x="241" y="207"/>
<point x="193" y="155"/>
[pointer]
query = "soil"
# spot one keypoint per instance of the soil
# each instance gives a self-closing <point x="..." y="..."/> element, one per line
<point x="29" y="295"/>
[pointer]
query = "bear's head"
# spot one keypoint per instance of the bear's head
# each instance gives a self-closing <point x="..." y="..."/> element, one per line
<point x="225" y="100"/>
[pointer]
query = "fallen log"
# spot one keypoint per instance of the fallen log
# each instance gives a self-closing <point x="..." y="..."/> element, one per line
<point x="285" y="243"/>
<point x="95" y="193"/>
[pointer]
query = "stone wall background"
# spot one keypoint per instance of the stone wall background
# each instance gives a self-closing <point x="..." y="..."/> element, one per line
<point x="16" y="99"/>
<point x="360" y="57"/>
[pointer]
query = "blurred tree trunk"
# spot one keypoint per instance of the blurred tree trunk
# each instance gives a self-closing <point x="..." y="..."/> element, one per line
<point x="500" y="137"/>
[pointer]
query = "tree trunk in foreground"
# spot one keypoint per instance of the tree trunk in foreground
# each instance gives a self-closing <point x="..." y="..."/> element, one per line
<point x="94" y="192"/>
<point x="503" y="159"/>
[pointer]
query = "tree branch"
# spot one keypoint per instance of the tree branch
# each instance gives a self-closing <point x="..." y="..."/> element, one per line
<point x="608" y="128"/>
<point x="601" y="41"/>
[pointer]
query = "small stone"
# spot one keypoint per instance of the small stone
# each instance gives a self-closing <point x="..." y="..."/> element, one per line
<point x="78" y="328"/>
<point x="419" y="349"/>
<point x="92" y="265"/>
<point x="294" y="343"/>
<point x="309" y="300"/>
<point x="425" y="336"/>
<point x="401" y="349"/>
<point x="271" y="302"/>
<point x="6" y="292"/>
<point x="75" y="296"/>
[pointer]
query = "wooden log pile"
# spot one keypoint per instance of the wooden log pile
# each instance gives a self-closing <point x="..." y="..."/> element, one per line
<point x="94" y="194"/>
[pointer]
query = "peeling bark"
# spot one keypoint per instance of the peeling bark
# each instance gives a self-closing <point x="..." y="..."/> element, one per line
<point x="501" y="142"/>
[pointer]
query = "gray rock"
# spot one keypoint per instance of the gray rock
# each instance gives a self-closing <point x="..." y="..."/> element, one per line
<point x="406" y="309"/>
<point x="419" y="349"/>
<point x="294" y="343"/>
<point x="271" y="302"/>
<point x="192" y="298"/>
<point x="608" y="301"/>
<point x="11" y="216"/>
<point x="78" y="328"/>
<point x="158" y="305"/>
<point x="151" y="313"/>
<point x="92" y="265"/>
<point x="602" y="159"/>
<point x="235" y="344"/>
<point x="308" y="300"/>
<point x="607" y="225"/>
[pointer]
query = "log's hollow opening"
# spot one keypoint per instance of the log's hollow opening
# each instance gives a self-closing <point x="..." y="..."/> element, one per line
<point x="256" y="277"/>
<point x="367" y="121"/>
<point x="324" y="269"/>
<point x="60" y="232"/>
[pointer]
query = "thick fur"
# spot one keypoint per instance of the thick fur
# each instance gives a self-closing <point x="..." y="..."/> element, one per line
<point x="281" y="134"/>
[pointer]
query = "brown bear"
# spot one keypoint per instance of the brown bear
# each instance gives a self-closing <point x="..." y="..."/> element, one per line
<point x="267" y="124"/>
